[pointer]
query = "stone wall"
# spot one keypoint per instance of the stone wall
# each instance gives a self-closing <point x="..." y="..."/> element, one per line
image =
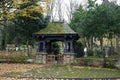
<point x="95" y="63"/>
<point x="40" y="58"/>
<point x="68" y="58"/>
<point x="118" y="63"/>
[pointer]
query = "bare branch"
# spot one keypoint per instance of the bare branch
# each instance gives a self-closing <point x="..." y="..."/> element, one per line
<point x="70" y="8"/>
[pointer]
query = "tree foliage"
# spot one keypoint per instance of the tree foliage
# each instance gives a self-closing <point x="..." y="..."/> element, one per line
<point x="97" y="21"/>
<point x="28" y="19"/>
<point x="21" y="18"/>
<point x="5" y="13"/>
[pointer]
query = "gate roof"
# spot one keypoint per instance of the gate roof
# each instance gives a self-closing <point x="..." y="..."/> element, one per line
<point x="56" y="28"/>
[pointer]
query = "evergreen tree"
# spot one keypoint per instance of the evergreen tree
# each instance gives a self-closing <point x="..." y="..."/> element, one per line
<point x="97" y="21"/>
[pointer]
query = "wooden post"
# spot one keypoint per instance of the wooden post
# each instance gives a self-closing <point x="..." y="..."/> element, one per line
<point x="44" y="46"/>
<point x="65" y="48"/>
<point x="71" y="46"/>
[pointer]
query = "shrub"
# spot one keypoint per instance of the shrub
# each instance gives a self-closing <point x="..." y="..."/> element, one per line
<point x="90" y="52"/>
<point x="109" y="63"/>
<point x="14" y="58"/>
<point x="78" y="48"/>
<point x="89" y="61"/>
<point x="114" y="55"/>
<point x="54" y="48"/>
<point x="96" y="62"/>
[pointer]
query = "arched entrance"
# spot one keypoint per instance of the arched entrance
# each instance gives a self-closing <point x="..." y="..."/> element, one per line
<point x="54" y="47"/>
<point x="55" y="52"/>
<point x="55" y="31"/>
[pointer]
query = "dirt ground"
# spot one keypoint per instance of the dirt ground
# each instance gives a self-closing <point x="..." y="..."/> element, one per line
<point x="4" y="68"/>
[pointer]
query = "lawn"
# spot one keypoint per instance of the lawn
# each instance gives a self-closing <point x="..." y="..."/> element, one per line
<point x="17" y="69"/>
<point x="62" y="71"/>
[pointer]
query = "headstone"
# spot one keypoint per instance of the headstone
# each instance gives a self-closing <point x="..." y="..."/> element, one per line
<point x="118" y="63"/>
<point x="106" y="52"/>
<point x="10" y="47"/>
<point x="85" y="51"/>
<point x="17" y="48"/>
<point x="26" y="51"/>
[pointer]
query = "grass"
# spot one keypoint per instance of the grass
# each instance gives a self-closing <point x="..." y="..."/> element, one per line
<point x="14" y="57"/>
<point x="61" y="71"/>
<point x="69" y="72"/>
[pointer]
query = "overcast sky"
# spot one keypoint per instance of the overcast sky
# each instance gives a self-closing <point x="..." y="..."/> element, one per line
<point x="98" y="1"/>
<point x="84" y="3"/>
<point x="66" y="2"/>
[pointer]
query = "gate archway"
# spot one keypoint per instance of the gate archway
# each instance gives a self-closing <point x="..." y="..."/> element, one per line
<point x="56" y="31"/>
<point x="55" y="52"/>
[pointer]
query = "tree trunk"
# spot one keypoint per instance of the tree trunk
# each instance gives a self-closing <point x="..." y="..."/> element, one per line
<point x="101" y="44"/>
<point x="111" y="46"/>
<point x="4" y="39"/>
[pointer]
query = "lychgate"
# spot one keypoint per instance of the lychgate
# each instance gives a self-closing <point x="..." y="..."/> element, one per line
<point x="60" y="32"/>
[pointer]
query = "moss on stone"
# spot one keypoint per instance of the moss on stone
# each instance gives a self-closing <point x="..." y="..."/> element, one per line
<point x="55" y="28"/>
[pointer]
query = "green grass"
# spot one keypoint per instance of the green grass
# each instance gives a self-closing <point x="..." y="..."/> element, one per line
<point x="69" y="72"/>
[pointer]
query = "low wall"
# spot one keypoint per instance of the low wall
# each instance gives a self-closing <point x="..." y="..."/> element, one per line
<point x="68" y="59"/>
<point x="40" y="58"/>
<point x="95" y="63"/>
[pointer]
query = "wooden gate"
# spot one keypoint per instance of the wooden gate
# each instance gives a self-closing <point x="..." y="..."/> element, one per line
<point x="54" y="59"/>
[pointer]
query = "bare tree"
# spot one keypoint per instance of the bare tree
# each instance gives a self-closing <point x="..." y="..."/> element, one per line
<point x="60" y="10"/>
<point x="50" y="6"/>
<point x="55" y="10"/>
<point x="71" y="6"/>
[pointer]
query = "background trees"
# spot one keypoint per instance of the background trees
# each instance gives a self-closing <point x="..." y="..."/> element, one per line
<point x="28" y="18"/>
<point x="97" y="22"/>
<point x="5" y="13"/>
<point x="5" y="16"/>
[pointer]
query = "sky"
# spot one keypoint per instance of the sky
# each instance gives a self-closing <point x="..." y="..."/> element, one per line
<point x="84" y="3"/>
<point x="66" y="2"/>
<point x="98" y="1"/>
